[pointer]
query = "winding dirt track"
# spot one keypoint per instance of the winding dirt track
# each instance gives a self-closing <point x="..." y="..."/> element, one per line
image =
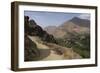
<point x="48" y="51"/>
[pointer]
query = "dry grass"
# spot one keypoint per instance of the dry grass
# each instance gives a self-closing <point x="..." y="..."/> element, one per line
<point x="70" y="54"/>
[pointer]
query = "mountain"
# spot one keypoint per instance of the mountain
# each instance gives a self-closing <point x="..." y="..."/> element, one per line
<point x="75" y="25"/>
<point x="55" y="31"/>
<point x="81" y="22"/>
<point x="50" y="29"/>
<point x="74" y="33"/>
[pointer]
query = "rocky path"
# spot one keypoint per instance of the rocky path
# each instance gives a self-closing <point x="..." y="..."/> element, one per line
<point x="51" y="51"/>
<point x="35" y="39"/>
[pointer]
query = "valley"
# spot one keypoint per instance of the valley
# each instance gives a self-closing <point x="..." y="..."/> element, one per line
<point x="70" y="40"/>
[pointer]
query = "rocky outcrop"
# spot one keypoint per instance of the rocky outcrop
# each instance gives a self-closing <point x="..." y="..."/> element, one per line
<point x="32" y="29"/>
<point x="31" y="51"/>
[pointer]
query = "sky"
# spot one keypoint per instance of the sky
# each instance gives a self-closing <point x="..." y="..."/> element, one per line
<point x="45" y="19"/>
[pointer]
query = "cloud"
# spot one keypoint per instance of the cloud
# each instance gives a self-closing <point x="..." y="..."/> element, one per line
<point x="84" y="16"/>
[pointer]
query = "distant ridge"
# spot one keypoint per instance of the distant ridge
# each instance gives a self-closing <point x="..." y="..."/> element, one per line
<point x="81" y="22"/>
<point x="74" y="25"/>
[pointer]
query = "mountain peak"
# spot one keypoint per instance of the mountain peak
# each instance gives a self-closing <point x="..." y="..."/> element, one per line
<point x="80" y="22"/>
<point x="76" y="19"/>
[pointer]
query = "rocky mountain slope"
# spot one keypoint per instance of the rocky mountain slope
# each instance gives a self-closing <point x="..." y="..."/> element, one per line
<point x="31" y="28"/>
<point x="75" y="34"/>
<point x="75" y="25"/>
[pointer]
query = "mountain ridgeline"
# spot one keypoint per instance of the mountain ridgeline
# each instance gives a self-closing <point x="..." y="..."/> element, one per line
<point x="81" y="22"/>
<point x="73" y="26"/>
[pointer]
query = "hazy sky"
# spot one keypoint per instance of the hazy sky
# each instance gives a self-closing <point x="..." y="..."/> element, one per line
<point x="45" y="19"/>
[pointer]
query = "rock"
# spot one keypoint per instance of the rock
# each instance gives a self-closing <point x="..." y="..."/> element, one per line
<point x="32" y="29"/>
<point x="31" y="51"/>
